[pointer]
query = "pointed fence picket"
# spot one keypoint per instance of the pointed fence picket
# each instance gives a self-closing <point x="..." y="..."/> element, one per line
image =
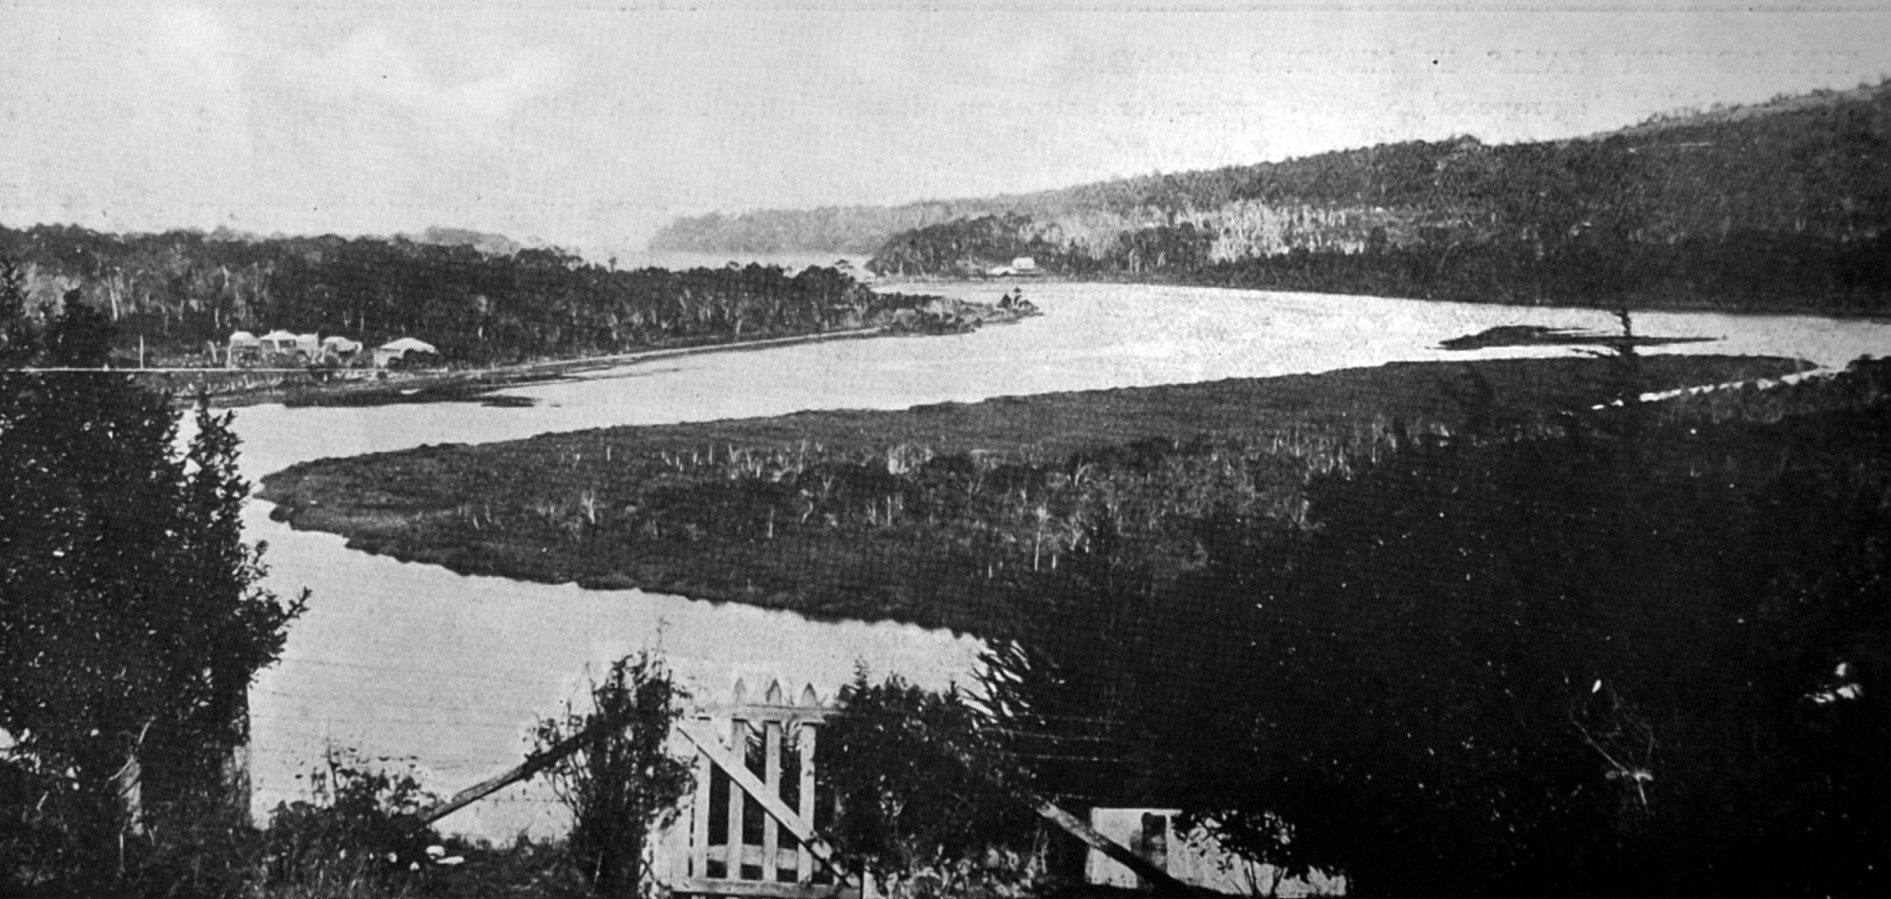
<point x="757" y="756"/>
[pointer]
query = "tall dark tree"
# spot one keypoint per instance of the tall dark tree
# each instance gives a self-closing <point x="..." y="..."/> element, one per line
<point x="131" y="620"/>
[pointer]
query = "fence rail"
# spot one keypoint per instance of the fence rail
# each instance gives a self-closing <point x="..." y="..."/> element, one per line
<point x="750" y="828"/>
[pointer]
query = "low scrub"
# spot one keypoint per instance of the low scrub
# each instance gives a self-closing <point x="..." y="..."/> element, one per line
<point x="927" y="515"/>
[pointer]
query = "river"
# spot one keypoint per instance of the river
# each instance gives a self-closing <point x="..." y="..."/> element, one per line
<point x="412" y="665"/>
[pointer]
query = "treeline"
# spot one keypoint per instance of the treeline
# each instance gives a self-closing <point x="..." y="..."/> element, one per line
<point x="1746" y="269"/>
<point x="181" y="293"/>
<point x="1642" y="653"/>
<point x="1742" y="269"/>
<point x="1083" y="212"/>
<point x="850" y="229"/>
<point x="1784" y="204"/>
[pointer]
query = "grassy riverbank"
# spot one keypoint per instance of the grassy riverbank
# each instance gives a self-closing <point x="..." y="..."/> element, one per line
<point x="922" y="515"/>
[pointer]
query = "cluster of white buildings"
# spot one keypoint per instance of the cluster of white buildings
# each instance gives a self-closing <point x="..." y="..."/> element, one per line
<point x="285" y="348"/>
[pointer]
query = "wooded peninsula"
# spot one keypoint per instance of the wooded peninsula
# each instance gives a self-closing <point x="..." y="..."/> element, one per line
<point x="174" y="299"/>
<point x="938" y="515"/>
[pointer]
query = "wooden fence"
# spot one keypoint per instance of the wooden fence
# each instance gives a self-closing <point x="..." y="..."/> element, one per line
<point x="750" y="828"/>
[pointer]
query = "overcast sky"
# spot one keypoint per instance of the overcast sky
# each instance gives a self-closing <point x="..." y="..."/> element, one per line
<point x="589" y="125"/>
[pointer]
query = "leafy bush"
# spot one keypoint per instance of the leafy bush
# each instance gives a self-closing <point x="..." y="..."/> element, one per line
<point x="621" y="783"/>
<point x="928" y="800"/>
<point x="360" y="833"/>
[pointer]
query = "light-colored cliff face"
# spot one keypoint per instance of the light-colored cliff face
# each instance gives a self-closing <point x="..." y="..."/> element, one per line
<point x="1248" y="229"/>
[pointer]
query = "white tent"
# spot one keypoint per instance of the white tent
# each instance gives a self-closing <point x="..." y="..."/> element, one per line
<point x="244" y="348"/>
<point x="409" y="345"/>
<point x="399" y="349"/>
<point x="339" y="350"/>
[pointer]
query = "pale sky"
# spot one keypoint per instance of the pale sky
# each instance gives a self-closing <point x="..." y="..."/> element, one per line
<point x="590" y="124"/>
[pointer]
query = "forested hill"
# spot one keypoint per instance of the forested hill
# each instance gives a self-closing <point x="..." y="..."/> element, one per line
<point x="1782" y="204"/>
<point x="180" y="294"/>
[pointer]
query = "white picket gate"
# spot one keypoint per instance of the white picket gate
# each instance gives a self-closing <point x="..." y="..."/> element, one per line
<point x="749" y="829"/>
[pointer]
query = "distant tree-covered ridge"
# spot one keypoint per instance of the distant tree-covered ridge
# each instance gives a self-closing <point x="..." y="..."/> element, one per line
<point x="1775" y="205"/>
<point x="181" y="293"/>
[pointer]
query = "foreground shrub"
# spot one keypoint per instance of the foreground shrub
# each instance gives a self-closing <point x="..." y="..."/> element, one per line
<point x="622" y="783"/>
<point x="358" y="837"/>
<point x="928" y="802"/>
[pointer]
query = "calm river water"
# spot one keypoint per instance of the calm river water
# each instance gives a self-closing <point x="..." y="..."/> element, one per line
<point x="412" y="665"/>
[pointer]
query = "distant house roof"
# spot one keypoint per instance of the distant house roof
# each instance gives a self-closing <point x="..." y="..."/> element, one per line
<point x="279" y="335"/>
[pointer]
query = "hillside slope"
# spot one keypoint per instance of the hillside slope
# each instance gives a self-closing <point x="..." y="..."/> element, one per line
<point x="1783" y="204"/>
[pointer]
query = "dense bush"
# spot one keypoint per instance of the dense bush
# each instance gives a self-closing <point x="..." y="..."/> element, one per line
<point x="1637" y="658"/>
<point x="358" y="835"/>
<point x="928" y="800"/>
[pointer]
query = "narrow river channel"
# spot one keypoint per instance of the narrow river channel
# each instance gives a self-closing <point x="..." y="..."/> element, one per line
<point x="412" y="665"/>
